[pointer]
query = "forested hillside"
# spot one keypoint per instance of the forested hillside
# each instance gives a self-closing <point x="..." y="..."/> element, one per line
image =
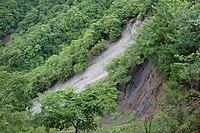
<point x="47" y="41"/>
<point x="52" y="41"/>
<point x="170" y="41"/>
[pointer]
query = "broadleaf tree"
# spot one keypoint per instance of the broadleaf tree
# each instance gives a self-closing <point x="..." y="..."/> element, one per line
<point x="64" y="109"/>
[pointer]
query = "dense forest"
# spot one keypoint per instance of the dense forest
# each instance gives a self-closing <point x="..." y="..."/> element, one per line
<point x="43" y="42"/>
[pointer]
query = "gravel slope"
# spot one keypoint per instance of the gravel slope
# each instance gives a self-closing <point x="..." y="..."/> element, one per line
<point x="96" y="70"/>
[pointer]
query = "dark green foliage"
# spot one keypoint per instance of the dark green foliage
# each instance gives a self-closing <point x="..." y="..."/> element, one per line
<point x="11" y="12"/>
<point x="173" y="34"/>
<point x="98" y="48"/>
<point x="46" y="36"/>
<point x="122" y="65"/>
<point x="170" y="40"/>
<point x="14" y="122"/>
<point x="55" y="39"/>
<point x="33" y="47"/>
<point x="63" y="109"/>
<point x="179" y="111"/>
<point x="14" y="100"/>
<point x="13" y="90"/>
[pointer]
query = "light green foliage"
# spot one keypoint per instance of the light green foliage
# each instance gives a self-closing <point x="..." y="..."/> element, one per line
<point x="188" y="70"/>
<point x="98" y="48"/>
<point x="13" y="102"/>
<point x="79" y="67"/>
<point x="119" y="68"/>
<point x="41" y="130"/>
<point x="170" y="40"/>
<point x="178" y="112"/>
<point x="43" y="39"/>
<point x="14" y="122"/>
<point x="112" y="26"/>
<point x="72" y="35"/>
<point x="169" y="33"/>
<point x="17" y="95"/>
<point x="63" y="109"/>
<point x="55" y="39"/>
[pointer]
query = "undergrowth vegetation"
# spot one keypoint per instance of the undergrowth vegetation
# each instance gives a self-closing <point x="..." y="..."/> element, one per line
<point x="50" y="42"/>
<point x="169" y="40"/>
<point x="53" y="40"/>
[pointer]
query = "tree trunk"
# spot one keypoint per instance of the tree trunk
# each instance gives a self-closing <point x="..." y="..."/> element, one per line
<point x="147" y="127"/>
<point x="76" y="129"/>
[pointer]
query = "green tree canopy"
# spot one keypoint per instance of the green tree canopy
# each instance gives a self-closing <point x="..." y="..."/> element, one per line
<point x="63" y="109"/>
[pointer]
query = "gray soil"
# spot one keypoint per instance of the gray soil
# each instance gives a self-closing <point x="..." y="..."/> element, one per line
<point x="96" y="70"/>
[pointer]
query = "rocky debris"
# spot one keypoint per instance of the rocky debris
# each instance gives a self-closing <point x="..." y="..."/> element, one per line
<point x="141" y="94"/>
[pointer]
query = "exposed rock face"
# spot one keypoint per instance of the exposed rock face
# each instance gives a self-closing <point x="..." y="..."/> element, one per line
<point x="142" y="93"/>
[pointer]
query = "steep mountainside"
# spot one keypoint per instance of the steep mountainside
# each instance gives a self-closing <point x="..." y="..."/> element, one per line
<point x="128" y="76"/>
<point x="96" y="70"/>
<point x="142" y="93"/>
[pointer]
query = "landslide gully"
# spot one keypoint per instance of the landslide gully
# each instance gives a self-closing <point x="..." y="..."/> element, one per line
<point x="96" y="69"/>
<point x="141" y="94"/>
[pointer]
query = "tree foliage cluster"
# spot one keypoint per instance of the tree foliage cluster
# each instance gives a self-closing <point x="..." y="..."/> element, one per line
<point x="29" y="49"/>
<point x="12" y="12"/>
<point x="73" y="58"/>
<point x="45" y="36"/>
<point x="178" y="113"/>
<point x="170" y="40"/>
<point x="14" y="100"/>
<point x="64" y="109"/>
<point x="53" y="41"/>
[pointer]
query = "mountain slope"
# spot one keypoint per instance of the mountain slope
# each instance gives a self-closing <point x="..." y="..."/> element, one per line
<point x="96" y="70"/>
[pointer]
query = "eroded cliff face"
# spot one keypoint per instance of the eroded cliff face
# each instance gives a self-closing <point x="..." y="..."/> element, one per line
<point x="141" y="94"/>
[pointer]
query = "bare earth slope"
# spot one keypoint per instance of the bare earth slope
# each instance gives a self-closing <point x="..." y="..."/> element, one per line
<point x="96" y="70"/>
<point x="142" y="93"/>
